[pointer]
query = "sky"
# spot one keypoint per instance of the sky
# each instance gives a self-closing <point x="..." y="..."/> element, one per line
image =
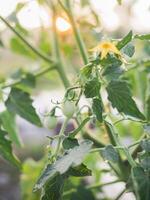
<point x="112" y="15"/>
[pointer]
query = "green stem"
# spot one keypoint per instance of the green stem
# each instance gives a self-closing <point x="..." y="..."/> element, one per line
<point x="38" y="74"/>
<point x="76" y="31"/>
<point x="135" y="143"/>
<point x="102" y="184"/>
<point x="57" y="54"/>
<point x="90" y="187"/>
<point x="117" y="141"/>
<point x="64" y="125"/>
<point x="102" y="148"/>
<point x="37" y="52"/>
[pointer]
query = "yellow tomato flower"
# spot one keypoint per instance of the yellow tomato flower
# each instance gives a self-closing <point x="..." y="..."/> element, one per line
<point x="106" y="47"/>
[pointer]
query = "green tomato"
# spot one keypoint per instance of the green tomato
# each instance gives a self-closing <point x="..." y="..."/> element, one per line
<point x="68" y="108"/>
<point x="50" y="122"/>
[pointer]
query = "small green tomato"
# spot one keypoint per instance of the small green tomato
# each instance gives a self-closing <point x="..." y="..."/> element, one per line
<point x="50" y="122"/>
<point x="68" y="108"/>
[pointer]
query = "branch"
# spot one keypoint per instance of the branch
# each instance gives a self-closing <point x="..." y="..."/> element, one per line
<point x="38" y="74"/>
<point x="37" y="52"/>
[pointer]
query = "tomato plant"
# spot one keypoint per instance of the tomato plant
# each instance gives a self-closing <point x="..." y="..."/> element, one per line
<point x="116" y="88"/>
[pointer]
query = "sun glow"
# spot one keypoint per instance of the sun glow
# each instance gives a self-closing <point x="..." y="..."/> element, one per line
<point x="62" y="25"/>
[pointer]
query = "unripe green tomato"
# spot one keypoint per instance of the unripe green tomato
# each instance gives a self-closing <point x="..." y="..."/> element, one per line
<point x="68" y="108"/>
<point x="50" y="122"/>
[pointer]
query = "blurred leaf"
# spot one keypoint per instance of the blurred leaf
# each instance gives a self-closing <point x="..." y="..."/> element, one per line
<point x="12" y="17"/>
<point x="142" y="37"/>
<point x="97" y="107"/>
<point x="6" y="150"/>
<point x="120" y="96"/>
<point x="21" y="29"/>
<point x="29" y="80"/>
<point x="84" y="3"/>
<point x="141" y="183"/>
<point x="19" y="7"/>
<point x="125" y="40"/>
<point x="9" y="124"/>
<point x="110" y="154"/>
<point x="1" y="43"/>
<point x="129" y="50"/>
<point x="44" y="42"/>
<point x="17" y="46"/>
<point x="19" y="102"/>
<point x="80" y="171"/>
<point x="82" y="193"/>
<point x="72" y="158"/>
<point x="17" y="74"/>
<point x="69" y="143"/>
<point x="92" y="88"/>
<point x="119" y="2"/>
<point x="41" y="1"/>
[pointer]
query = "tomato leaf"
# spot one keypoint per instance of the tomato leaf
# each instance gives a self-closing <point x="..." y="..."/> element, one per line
<point x="111" y="61"/>
<point x="141" y="183"/>
<point x="86" y="71"/>
<point x="80" y="171"/>
<point x="69" y="143"/>
<point x="8" y="123"/>
<point x="112" y="72"/>
<point x="6" y="150"/>
<point x="29" y="80"/>
<point x="19" y="102"/>
<point x="92" y="88"/>
<point x="71" y="158"/>
<point x="120" y="96"/>
<point x="129" y="50"/>
<point x="122" y="43"/>
<point x="110" y="154"/>
<point x="53" y="189"/>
